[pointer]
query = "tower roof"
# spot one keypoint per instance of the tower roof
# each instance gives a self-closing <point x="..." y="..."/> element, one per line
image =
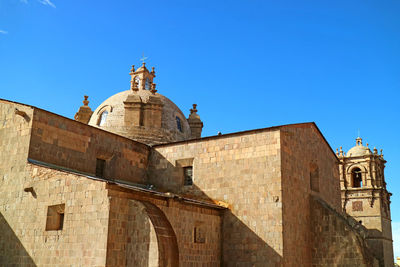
<point x="358" y="149"/>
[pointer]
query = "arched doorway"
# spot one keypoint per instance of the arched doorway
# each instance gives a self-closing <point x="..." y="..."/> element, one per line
<point x="151" y="241"/>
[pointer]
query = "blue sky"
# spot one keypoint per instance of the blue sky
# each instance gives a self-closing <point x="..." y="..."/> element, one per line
<point x="247" y="64"/>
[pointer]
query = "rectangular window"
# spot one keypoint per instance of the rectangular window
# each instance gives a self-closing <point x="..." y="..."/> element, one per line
<point x="100" y="166"/>
<point x="314" y="177"/>
<point x="188" y="175"/>
<point x="55" y="217"/>
<point x="199" y="235"/>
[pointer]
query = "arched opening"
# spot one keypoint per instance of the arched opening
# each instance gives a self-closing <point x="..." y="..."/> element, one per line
<point x="356" y="177"/>
<point x="103" y="118"/>
<point x="151" y="241"/>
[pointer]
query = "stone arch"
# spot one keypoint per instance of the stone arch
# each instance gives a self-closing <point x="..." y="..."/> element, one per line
<point x="151" y="240"/>
<point x="166" y="238"/>
<point x="102" y="114"/>
<point x="356" y="165"/>
<point x="349" y="174"/>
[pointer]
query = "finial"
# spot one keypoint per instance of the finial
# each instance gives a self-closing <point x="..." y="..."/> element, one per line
<point x="152" y="70"/>
<point x="85" y="102"/>
<point x="132" y="69"/>
<point x="194" y="109"/>
<point x="367" y="144"/>
<point x="341" y="152"/>
<point x="153" y="88"/>
<point x="375" y="151"/>
<point x="381" y="152"/>
<point x="337" y="152"/>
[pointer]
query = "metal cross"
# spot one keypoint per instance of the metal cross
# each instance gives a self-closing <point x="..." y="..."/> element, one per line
<point x="143" y="58"/>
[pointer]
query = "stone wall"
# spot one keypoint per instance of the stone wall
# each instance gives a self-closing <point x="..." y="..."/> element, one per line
<point x="306" y="158"/>
<point x="132" y="239"/>
<point x="83" y="237"/>
<point x="71" y="144"/>
<point x="375" y="216"/>
<point x="241" y="169"/>
<point x="335" y="240"/>
<point x="203" y="250"/>
<point x="14" y="143"/>
<point x="139" y="236"/>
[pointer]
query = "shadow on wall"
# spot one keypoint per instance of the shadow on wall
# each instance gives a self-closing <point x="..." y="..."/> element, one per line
<point x="240" y="245"/>
<point x="12" y="252"/>
<point x="335" y="241"/>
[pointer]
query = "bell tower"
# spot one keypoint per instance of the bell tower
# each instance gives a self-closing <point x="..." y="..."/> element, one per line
<point x="365" y="197"/>
<point x="140" y="112"/>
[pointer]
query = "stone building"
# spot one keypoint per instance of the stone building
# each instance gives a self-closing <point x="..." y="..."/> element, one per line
<point x="364" y="196"/>
<point x="133" y="183"/>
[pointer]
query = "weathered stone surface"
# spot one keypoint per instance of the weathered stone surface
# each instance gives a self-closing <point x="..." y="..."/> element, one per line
<point x="268" y="197"/>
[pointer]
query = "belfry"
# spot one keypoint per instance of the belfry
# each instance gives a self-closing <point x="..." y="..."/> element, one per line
<point x="365" y="197"/>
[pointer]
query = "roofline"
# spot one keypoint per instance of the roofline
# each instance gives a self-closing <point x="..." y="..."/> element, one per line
<point x="131" y="186"/>
<point x="326" y="142"/>
<point x="213" y="137"/>
<point x="58" y="115"/>
<point x="259" y="130"/>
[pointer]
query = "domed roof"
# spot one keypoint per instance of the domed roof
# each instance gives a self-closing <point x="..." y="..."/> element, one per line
<point x="110" y="116"/>
<point x="358" y="149"/>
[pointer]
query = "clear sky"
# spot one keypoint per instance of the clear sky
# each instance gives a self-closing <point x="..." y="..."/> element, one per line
<point x="247" y="64"/>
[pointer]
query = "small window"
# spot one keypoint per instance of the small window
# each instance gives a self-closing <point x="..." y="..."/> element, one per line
<point x="199" y="235"/>
<point x="103" y="118"/>
<point x="147" y="84"/>
<point x="188" y="175"/>
<point x="100" y="166"/>
<point x="179" y="124"/>
<point x="314" y="177"/>
<point x="356" y="177"/>
<point x="55" y="217"/>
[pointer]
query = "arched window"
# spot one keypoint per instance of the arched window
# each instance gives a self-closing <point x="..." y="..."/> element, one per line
<point x="356" y="177"/>
<point x="103" y="118"/>
<point x="179" y="124"/>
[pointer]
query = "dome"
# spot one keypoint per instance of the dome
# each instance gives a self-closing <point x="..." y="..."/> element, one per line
<point x="111" y="116"/>
<point x="358" y="149"/>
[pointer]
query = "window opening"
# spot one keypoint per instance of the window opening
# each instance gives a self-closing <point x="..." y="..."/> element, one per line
<point x="55" y="217"/>
<point x="188" y="173"/>
<point x="103" y="118"/>
<point x="357" y="177"/>
<point x="314" y="177"/>
<point x="100" y="166"/>
<point x="179" y="124"/>
<point x="147" y="84"/>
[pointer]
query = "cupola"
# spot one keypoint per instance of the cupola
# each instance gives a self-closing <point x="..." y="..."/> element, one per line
<point x="141" y="113"/>
<point x="358" y="149"/>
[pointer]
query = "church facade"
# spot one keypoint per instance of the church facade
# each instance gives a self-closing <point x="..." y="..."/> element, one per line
<point x="133" y="183"/>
